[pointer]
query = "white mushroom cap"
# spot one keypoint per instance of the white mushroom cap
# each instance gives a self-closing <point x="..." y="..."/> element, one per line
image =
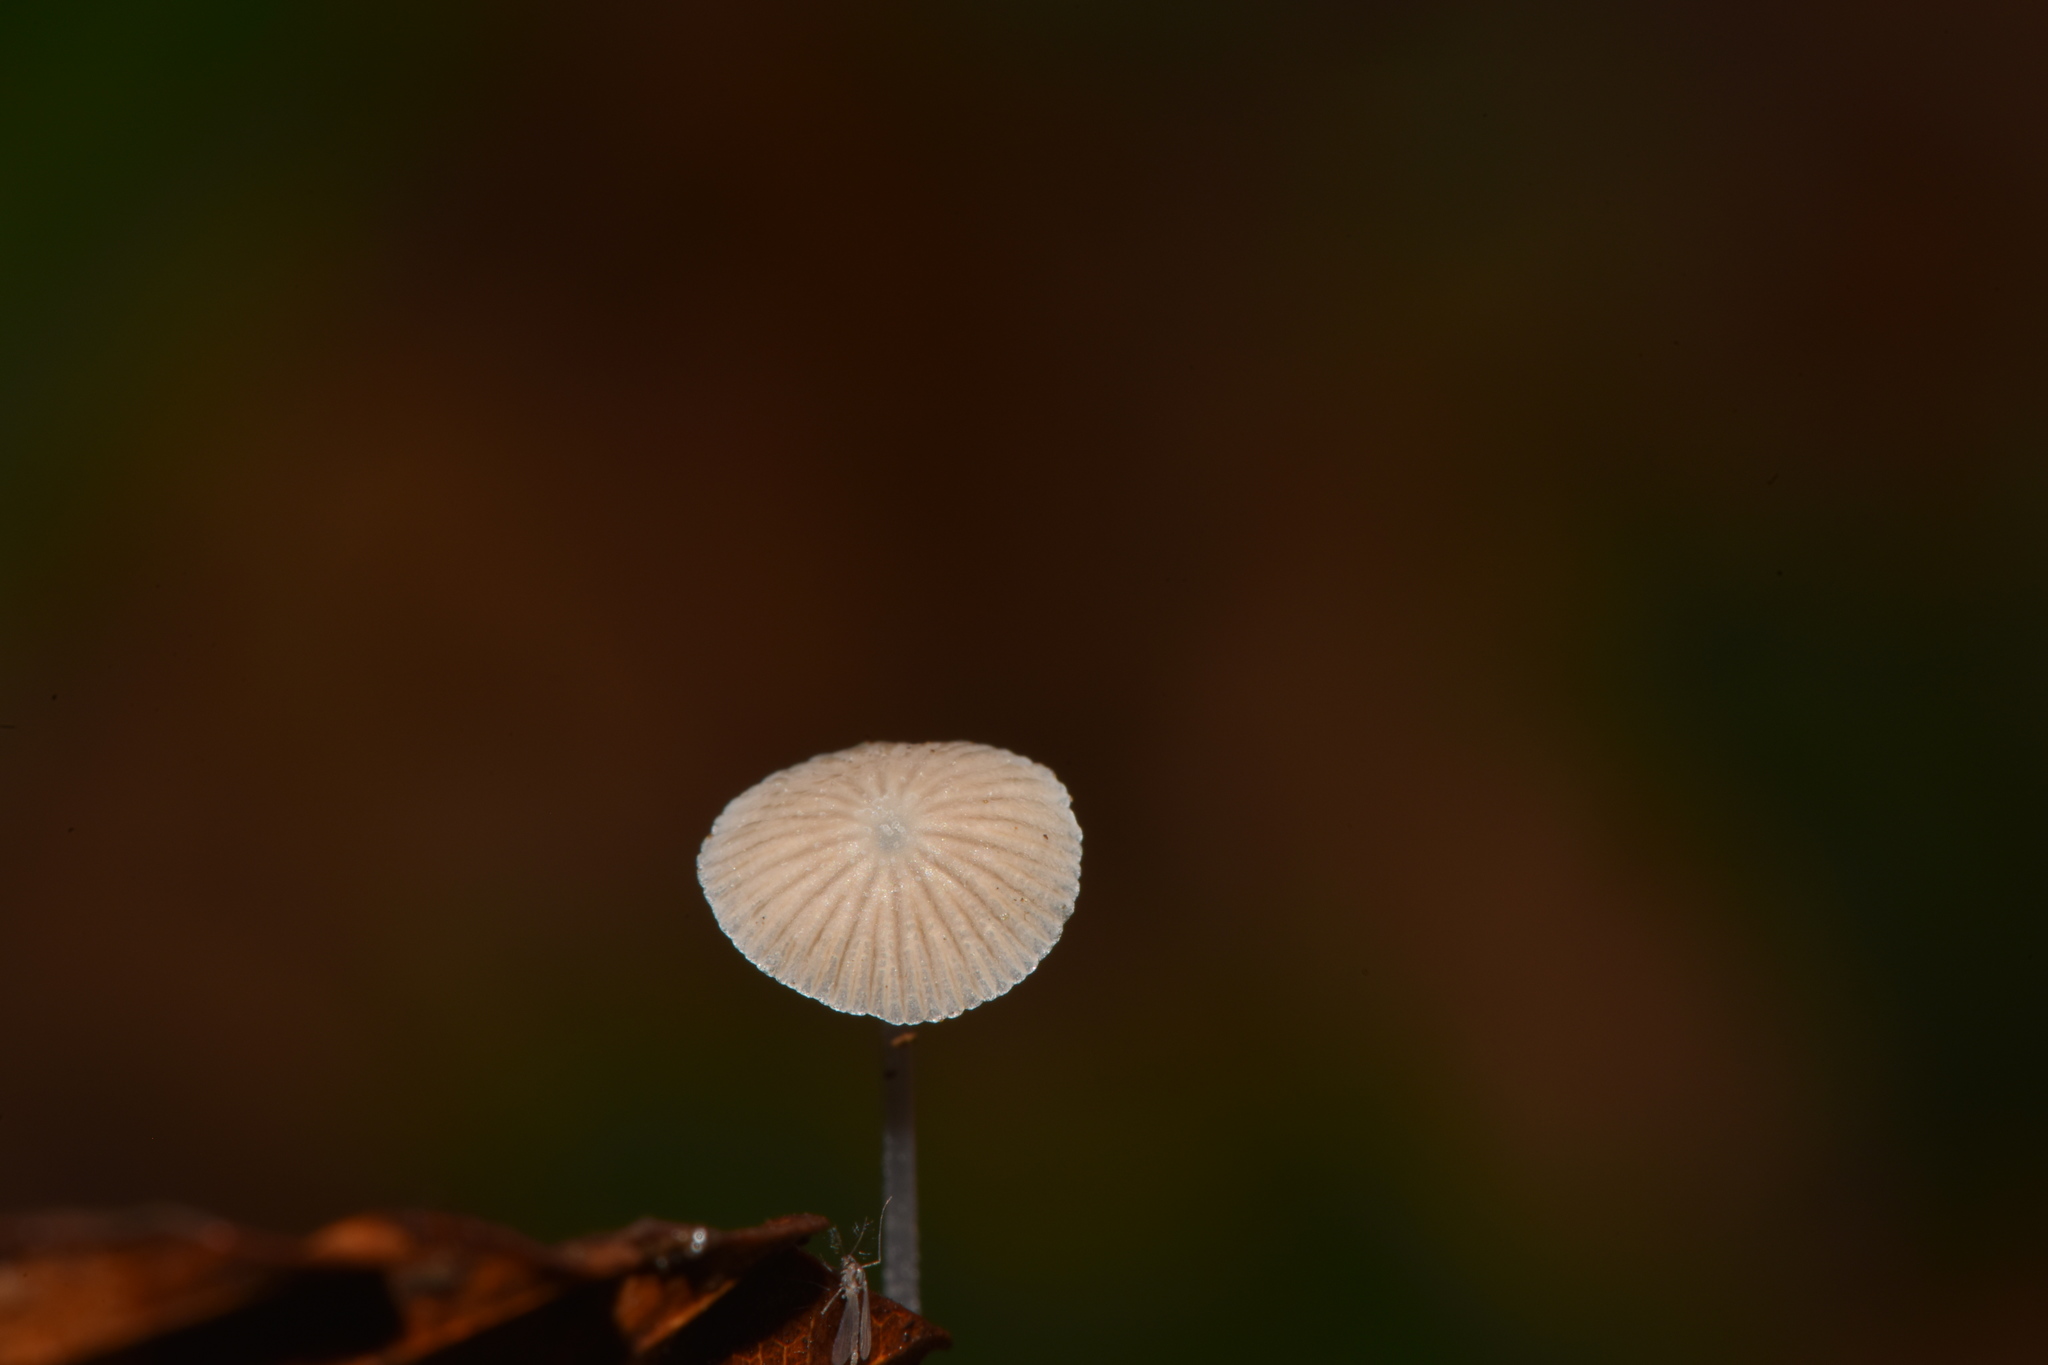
<point x="907" y="881"/>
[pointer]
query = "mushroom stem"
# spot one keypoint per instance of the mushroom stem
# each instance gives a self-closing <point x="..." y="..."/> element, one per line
<point x="899" y="1167"/>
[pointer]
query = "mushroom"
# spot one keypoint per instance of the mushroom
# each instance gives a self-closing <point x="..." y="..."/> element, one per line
<point x="910" y="882"/>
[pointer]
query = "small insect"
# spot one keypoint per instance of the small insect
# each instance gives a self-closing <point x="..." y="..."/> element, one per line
<point x="854" y="1342"/>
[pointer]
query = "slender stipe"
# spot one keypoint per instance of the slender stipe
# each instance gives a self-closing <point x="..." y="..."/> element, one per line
<point x="899" y="1168"/>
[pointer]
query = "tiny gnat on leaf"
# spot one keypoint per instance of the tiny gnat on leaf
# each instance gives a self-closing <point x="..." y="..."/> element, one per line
<point x="911" y="882"/>
<point x="854" y="1342"/>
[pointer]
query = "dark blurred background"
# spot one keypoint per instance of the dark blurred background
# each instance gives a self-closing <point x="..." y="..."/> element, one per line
<point x="1521" y="527"/>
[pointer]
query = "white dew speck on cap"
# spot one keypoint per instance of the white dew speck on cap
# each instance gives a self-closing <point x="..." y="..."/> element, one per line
<point x="907" y="881"/>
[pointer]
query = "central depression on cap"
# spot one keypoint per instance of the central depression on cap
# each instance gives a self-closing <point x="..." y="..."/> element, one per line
<point x="907" y="881"/>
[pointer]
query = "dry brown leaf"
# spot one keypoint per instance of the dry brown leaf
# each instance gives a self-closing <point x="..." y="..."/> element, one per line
<point x="75" y="1285"/>
<point x="168" y="1286"/>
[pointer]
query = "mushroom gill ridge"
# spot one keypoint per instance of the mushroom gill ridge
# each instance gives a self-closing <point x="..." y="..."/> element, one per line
<point x="907" y="881"/>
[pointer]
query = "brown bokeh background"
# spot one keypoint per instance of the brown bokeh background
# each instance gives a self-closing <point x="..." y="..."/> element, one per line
<point x="1522" y="530"/>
